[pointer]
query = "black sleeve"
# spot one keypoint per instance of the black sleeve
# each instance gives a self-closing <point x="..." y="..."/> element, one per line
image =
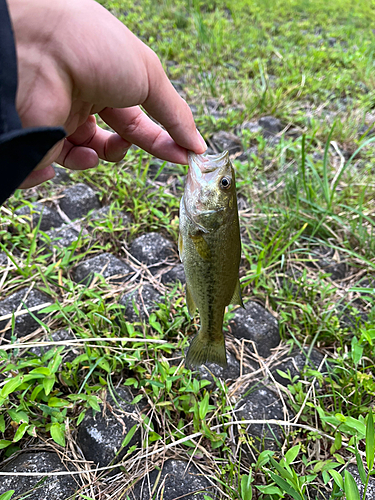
<point x="21" y="149"/>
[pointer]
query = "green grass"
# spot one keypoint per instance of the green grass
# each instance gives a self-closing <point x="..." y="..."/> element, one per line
<point x="310" y="63"/>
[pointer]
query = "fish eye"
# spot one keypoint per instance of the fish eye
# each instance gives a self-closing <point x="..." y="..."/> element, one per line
<point x="225" y="182"/>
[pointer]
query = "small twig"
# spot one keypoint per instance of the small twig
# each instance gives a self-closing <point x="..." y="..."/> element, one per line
<point x="76" y="342"/>
<point x="25" y="311"/>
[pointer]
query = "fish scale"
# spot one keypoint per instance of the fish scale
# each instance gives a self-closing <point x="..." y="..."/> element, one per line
<point x="210" y="250"/>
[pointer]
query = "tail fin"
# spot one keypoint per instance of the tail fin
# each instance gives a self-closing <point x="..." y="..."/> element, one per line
<point x="203" y="350"/>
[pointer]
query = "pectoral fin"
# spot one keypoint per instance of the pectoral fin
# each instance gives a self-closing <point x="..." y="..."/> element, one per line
<point x="237" y="298"/>
<point x="201" y="246"/>
<point x="190" y="302"/>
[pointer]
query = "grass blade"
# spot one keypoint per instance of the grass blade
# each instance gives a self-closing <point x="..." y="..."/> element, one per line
<point x="351" y="488"/>
<point x="285" y="487"/>
<point x="370" y="443"/>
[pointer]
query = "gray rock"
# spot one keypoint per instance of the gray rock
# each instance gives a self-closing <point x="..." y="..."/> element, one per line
<point x="296" y="362"/>
<point x="367" y="284"/>
<point x="179" y="86"/>
<point x="260" y="403"/>
<point x="100" y="436"/>
<point x="274" y="141"/>
<point x="294" y="133"/>
<point x="227" y="141"/>
<point x="105" y="264"/>
<point x="272" y="81"/>
<point x="106" y="212"/>
<point x="153" y="250"/>
<point x="25" y="323"/>
<point x="364" y="88"/>
<point x="317" y="157"/>
<point x="231" y="372"/>
<point x="210" y="151"/>
<point x="50" y="217"/>
<point x="62" y="237"/>
<point x="176" y="273"/>
<point x="323" y="257"/>
<point x="145" y="299"/>
<point x="178" y="356"/>
<point x="344" y="104"/>
<point x="318" y="493"/>
<point x="346" y="154"/>
<point x="257" y="324"/>
<point x="350" y="316"/>
<point x="248" y="154"/>
<point x="166" y="172"/>
<point x="78" y="201"/>
<point x="214" y="108"/>
<point x="252" y="126"/>
<point x="193" y="109"/>
<point x="270" y="125"/>
<point x="243" y="203"/>
<point x="171" y="63"/>
<point x="216" y="114"/>
<point x="368" y="130"/>
<point x="52" y="487"/>
<point x="177" y="479"/>
<point x="228" y="13"/>
<point x="332" y="41"/>
<point x="214" y="104"/>
<point x="62" y="175"/>
<point x="69" y="352"/>
<point x="99" y="213"/>
<point x="237" y="108"/>
<point x="3" y="259"/>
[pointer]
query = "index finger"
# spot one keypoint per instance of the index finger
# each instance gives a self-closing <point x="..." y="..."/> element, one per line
<point x="165" y="105"/>
<point x="133" y="125"/>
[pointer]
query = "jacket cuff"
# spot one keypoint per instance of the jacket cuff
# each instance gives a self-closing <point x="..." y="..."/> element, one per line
<point x="20" y="152"/>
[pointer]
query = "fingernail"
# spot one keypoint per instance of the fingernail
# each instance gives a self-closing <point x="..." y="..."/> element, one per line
<point x="202" y="141"/>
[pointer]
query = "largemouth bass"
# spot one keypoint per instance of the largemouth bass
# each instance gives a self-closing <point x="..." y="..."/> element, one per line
<point x="210" y="250"/>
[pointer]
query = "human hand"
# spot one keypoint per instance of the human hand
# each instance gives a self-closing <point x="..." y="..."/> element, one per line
<point x="75" y="59"/>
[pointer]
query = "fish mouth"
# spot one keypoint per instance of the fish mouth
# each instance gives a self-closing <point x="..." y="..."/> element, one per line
<point x="201" y="166"/>
<point x="206" y="163"/>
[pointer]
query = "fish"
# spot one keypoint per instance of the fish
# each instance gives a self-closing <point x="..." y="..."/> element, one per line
<point x="210" y="249"/>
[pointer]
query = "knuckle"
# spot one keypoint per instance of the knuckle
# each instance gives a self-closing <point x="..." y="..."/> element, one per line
<point x="132" y="125"/>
